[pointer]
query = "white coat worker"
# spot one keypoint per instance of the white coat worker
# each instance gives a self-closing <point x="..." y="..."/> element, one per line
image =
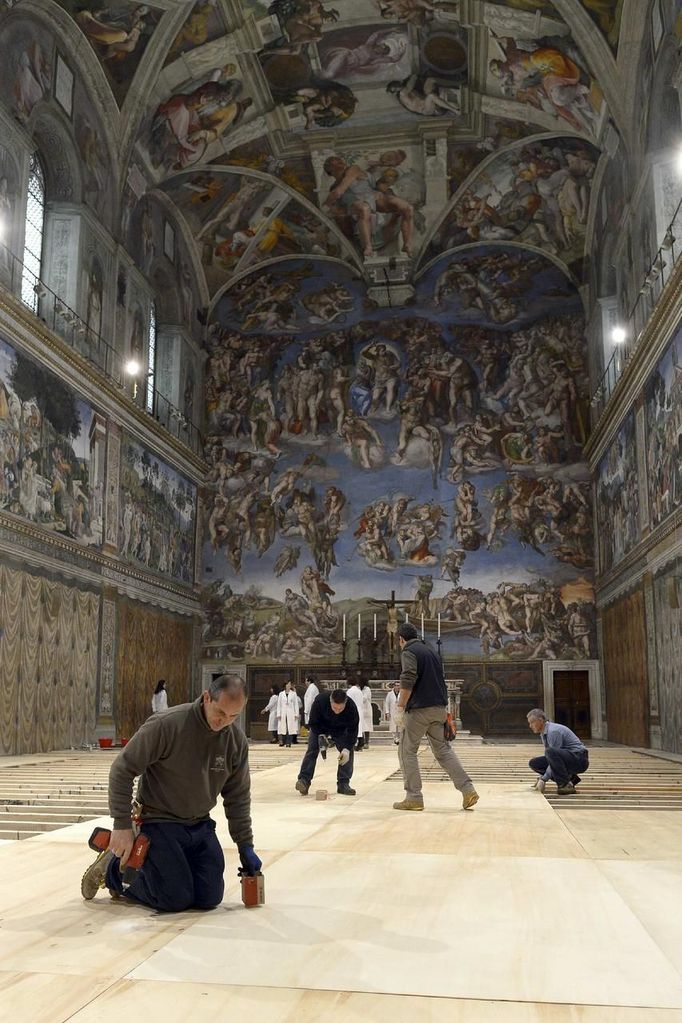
<point x="288" y="714"/>
<point x="367" y="713"/>
<point x="311" y="691"/>
<point x="271" y="710"/>
<point x="389" y="710"/>
<point x="355" y="693"/>
<point x="160" y="697"/>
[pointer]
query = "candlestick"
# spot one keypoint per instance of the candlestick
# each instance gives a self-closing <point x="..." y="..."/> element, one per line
<point x="422" y="624"/>
<point x="407" y="617"/>
<point x="439" y="625"/>
<point x="343" y="626"/>
<point x="359" y="623"/>
<point x="375" y="626"/>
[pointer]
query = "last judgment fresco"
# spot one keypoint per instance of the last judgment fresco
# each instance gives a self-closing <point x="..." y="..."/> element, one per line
<point x="370" y="462"/>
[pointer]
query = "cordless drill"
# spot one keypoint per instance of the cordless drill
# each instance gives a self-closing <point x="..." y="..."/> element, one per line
<point x="99" y="841"/>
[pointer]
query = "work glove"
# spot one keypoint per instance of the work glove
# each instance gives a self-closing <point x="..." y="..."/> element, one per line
<point x="249" y="860"/>
<point x="399" y="716"/>
<point x="344" y="757"/>
<point x="322" y="745"/>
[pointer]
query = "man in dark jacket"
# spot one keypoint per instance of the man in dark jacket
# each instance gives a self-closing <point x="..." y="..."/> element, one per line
<point x="186" y="758"/>
<point x="332" y="715"/>
<point x="421" y="711"/>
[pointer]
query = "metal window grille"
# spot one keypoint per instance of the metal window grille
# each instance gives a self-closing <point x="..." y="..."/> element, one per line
<point x="151" y="374"/>
<point x="33" y="234"/>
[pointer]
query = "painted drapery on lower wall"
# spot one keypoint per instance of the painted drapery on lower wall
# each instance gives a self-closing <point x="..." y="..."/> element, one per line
<point x="48" y="663"/>
<point x="149" y="641"/>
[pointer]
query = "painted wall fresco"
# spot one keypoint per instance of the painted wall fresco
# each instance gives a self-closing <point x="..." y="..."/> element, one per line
<point x="663" y="403"/>
<point x="536" y="193"/>
<point x="618" y="497"/>
<point x="157" y="514"/>
<point x="296" y="171"/>
<point x="394" y="450"/>
<point x="119" y="34"/>
<point x="52" y="447"/>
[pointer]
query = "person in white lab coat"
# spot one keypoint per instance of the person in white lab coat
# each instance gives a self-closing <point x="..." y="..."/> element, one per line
<point x="311" y="691"/>
<point x="355" y="693"/>
<point x="367" y="715"/>
<point x="271" y="710"/>
<point x="160" y="697"/>
<point x="389" y="710"/>
<point x="288" y="714"/>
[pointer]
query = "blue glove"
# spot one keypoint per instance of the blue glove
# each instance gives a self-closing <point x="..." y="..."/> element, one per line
<point x="250" y="861"/>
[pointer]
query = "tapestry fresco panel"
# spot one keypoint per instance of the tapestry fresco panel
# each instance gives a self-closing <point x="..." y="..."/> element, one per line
<point x="618" y="497"/>
<point x="52" y="448"/>
<point x="157" y="514"/>
<point x="663" y="403"/>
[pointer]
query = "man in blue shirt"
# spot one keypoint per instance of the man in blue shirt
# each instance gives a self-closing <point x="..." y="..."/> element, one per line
<point x="565" y="756"/>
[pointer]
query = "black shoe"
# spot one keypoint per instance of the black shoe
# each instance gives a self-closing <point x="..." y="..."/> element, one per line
<point x="576" y="779"/>
<point x="345" y="790"/>
<point x="566" y="790"/>
<point x="323" y="746"/>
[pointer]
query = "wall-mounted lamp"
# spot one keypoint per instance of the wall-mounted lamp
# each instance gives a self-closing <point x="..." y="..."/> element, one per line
<point x="618" y="335"/>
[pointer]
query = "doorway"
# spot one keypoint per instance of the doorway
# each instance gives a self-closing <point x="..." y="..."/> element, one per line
<point x="572" y="701"/>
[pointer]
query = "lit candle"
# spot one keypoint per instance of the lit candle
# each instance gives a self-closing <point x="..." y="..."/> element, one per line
<point x="344" y="626"/>
<point x="407" y="617"/>
<point x="375" y="626"/>
<point x="359" y="623"/>
<point x="439" y="625"/>
<point x="422" y="624"/>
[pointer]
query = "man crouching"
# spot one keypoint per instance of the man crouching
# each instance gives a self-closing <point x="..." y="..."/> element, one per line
<point x="186" y="757"/>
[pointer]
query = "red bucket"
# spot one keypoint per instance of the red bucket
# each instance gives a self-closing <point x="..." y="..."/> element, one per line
<point x="124" y="742"/>
<point x="105" y="743"/>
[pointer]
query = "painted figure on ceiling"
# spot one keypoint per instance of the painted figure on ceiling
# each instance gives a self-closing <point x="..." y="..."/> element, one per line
<point x="185" y="124"/>
<point x="114" y="33"/>
<point x="544" y="76"/>
<point x="424" y="96"/>
<point x="380" y="50"/>
<point x="32" y="79"/>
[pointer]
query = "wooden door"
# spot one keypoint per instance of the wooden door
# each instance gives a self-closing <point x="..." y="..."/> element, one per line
<point x="572" y="701"/>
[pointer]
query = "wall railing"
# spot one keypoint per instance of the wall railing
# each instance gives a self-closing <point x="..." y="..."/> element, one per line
<point x="58" y="316"/>
<point x="653" y="284"/>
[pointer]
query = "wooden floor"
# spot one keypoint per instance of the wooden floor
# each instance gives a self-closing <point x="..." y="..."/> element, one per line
<point x="526" y="910"/>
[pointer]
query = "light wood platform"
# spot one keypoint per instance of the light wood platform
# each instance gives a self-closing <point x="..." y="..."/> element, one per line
<point x="517" y="912"/>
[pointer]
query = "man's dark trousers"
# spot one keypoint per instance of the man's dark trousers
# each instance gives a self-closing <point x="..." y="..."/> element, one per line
<point x="344" y="772"/>
<point x="563" y="764"/>
<point x="183" y="869"/>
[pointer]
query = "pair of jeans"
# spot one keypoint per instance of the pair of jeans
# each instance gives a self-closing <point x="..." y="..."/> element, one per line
<point x="344" y="772"/>
<point x="562" y="763"/>
<point x="183" y="869"/>
<point x="428" y="721"/>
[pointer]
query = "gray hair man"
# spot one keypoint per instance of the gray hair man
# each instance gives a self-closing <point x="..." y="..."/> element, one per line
<point x="421" y="711"/>
<point x="565" y="758"/>
<point x="186" y="757"/>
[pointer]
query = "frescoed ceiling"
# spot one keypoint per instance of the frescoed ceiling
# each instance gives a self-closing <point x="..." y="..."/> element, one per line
<point x="376" y="133"/>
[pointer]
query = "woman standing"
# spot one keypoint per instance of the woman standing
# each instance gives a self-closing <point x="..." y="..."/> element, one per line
<point x="288" y="714"/>
<point x="271" y="710"/>
<point x="160" y="697"/>
<point x="367" y="720"/>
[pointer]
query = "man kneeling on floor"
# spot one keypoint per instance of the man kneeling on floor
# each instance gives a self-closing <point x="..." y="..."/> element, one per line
<point x="186" y="757"/>
<point x="565" y="756"/>
<point x="336" y="716"/>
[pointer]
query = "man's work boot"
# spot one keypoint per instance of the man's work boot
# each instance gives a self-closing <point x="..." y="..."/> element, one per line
<point x="345" y="790"/>
<point x="323" y="746"/>
<point x="469" y="800"/>
<point x="302" y="786"/>
<point x="94" y="877"/>
<point x="409" y="804"/>
<point x="566" y="790"/>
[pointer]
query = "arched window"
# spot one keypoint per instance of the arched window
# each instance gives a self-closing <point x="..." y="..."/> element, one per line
<point x="33" y="234"/>
<point x="151" y="370"/>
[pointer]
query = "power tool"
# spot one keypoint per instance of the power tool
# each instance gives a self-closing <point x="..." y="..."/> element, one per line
<point x="99" y="841"/>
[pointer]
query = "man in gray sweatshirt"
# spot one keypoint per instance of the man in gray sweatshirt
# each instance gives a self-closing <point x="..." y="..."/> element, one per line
<point x="186" y="758"/>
